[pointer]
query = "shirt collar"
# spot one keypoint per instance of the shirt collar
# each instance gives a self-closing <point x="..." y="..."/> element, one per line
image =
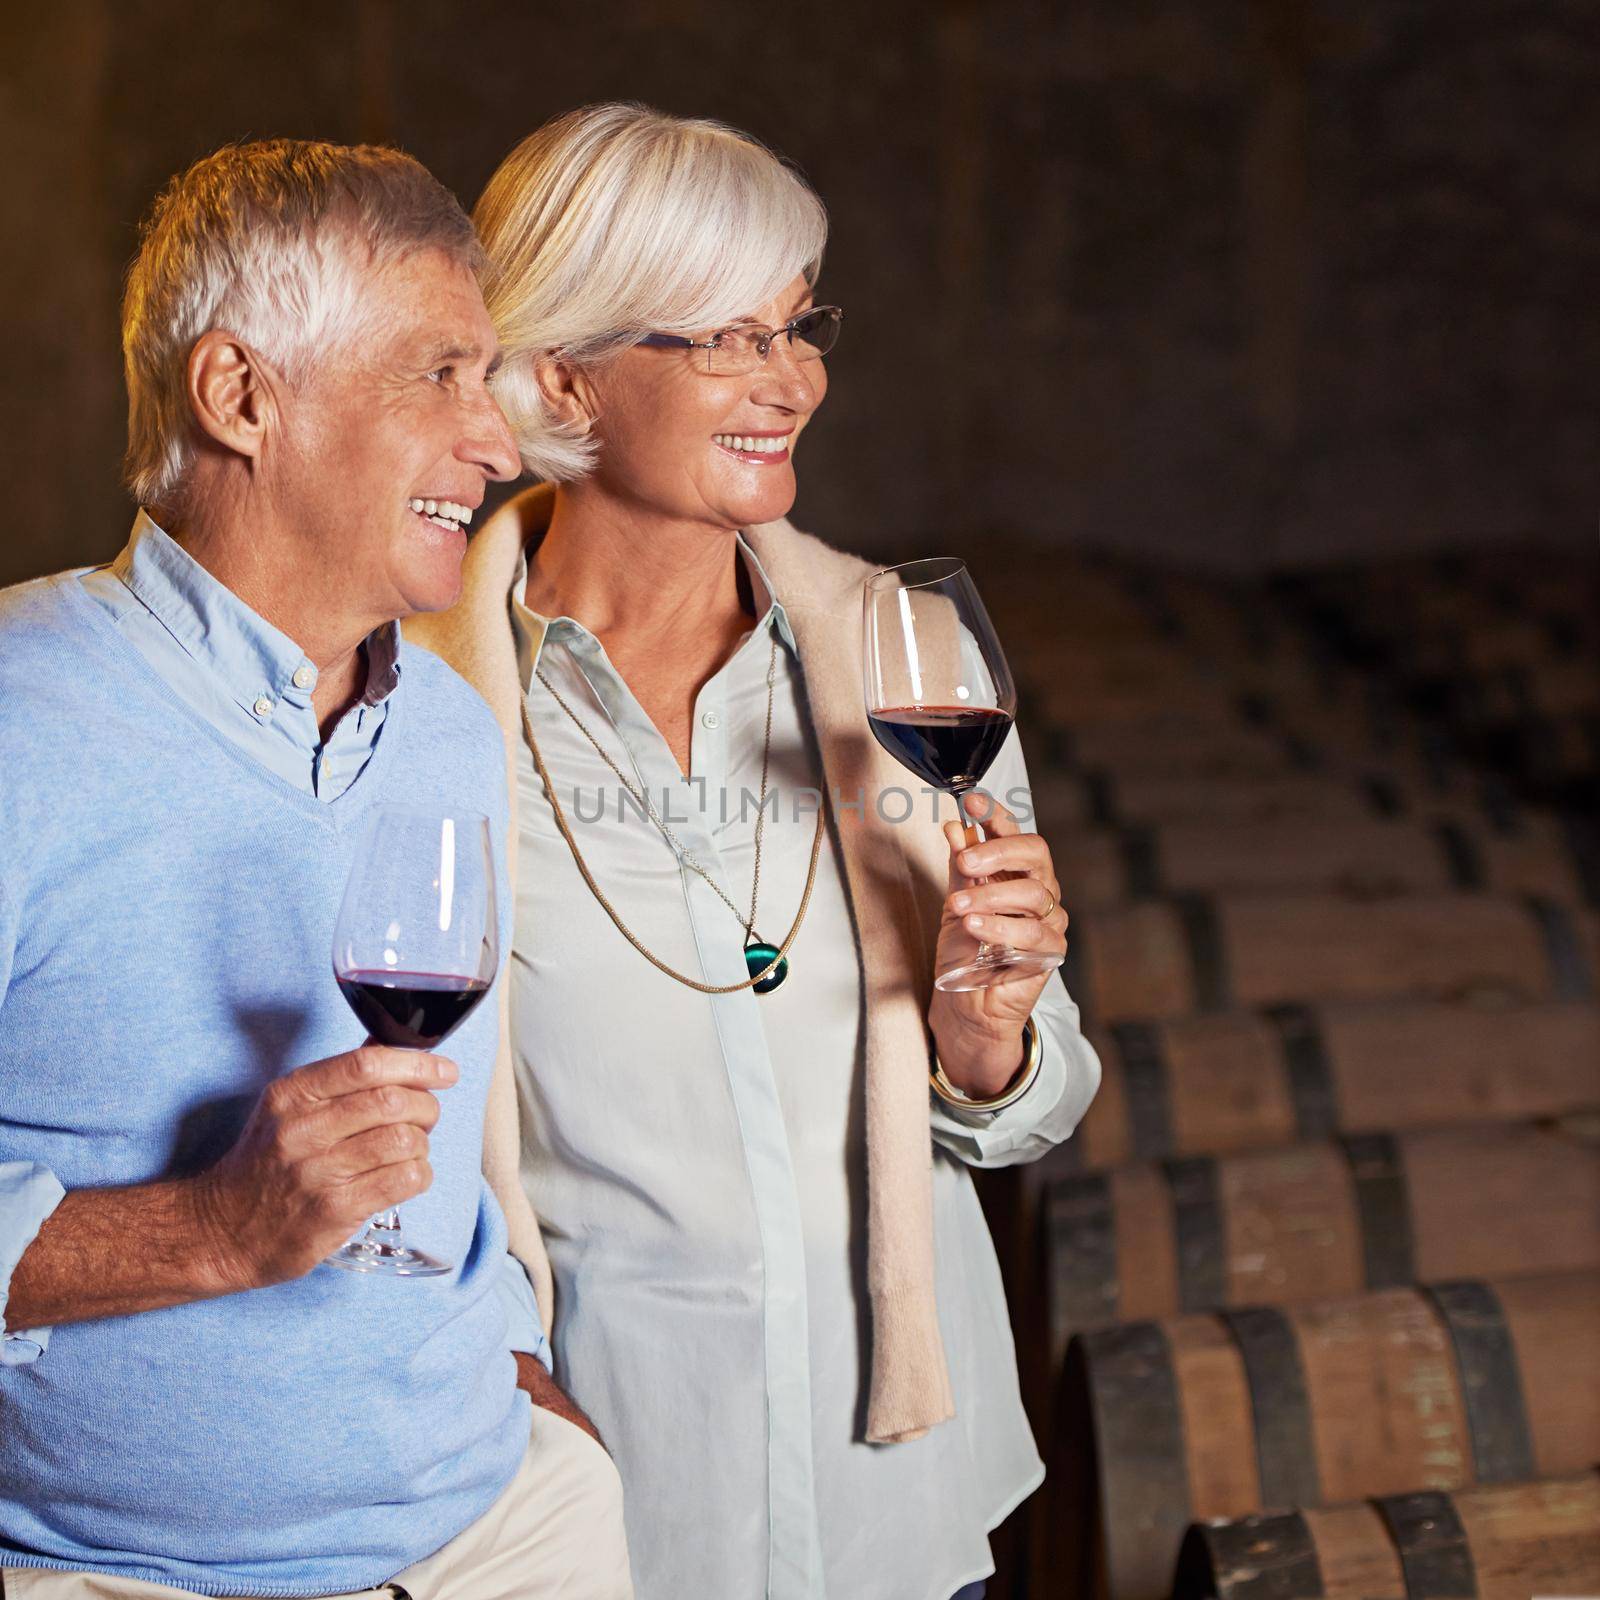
<point x="530" y="630"/>
<point x="220" y="632"/>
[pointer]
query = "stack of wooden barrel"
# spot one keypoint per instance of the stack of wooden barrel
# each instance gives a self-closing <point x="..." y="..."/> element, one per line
<point x="1310" y="1303"/>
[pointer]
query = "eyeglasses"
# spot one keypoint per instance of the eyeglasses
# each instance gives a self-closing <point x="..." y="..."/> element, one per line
<point x="734" y="351"/>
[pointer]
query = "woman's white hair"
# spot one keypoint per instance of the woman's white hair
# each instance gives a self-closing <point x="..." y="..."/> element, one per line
<point x="615" y="221"/>
<point x="269" y="241"/>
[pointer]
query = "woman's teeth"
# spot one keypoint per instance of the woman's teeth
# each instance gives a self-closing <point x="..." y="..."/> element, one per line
<point x="750" y="444"/>
<point x="449" y="514"/>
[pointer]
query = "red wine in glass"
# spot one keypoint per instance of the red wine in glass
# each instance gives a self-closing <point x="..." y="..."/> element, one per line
<point x="940" y="699"/>
<point x="410" y="1010"/>
<point x="414" y="952"/>
<point x="950" y="747"/>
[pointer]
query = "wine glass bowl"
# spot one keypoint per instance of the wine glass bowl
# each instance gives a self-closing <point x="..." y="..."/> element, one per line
<point x="415" y="949"/>
<point x="941" y="700"/>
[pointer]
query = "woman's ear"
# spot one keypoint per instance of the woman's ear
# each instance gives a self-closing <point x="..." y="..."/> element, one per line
<point x="231" y="392"/>
<point x="567" y="391"/>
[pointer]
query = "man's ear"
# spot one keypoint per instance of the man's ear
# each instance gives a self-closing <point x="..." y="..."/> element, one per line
<point x="567" y="390"/>
<point x="231" y="392"/>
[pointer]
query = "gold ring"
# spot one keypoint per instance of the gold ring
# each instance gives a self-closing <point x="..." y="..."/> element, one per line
<point x="1049" y="908"/>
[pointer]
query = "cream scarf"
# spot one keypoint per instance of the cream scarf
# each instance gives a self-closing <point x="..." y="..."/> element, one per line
<point x="896" y="880"/>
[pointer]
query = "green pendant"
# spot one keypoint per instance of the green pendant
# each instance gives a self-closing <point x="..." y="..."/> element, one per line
<point x="757" y="958"/>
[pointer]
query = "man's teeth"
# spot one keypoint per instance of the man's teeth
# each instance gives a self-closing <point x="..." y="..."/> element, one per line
<point x="450" y="511"/>
<point x="751" y="444"/>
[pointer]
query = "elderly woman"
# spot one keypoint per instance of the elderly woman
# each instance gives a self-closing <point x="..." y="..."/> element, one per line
<point x="774" y="1289"/>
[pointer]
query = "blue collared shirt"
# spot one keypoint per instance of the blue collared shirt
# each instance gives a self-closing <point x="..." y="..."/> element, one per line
<point x="254" y="684"/>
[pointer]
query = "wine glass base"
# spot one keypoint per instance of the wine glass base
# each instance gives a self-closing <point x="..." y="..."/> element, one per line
<point x="396" y="1261"/>
<point x="994" y="966"/>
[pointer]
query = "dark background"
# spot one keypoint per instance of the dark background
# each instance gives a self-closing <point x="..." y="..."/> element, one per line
<point x="1230" y="282"/>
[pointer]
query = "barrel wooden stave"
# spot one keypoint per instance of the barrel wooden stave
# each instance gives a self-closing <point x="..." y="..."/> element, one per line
<point x="1554" y="1324"/>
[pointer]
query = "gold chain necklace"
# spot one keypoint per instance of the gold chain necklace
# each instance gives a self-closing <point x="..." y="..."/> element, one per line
<point x="768" y="964"/>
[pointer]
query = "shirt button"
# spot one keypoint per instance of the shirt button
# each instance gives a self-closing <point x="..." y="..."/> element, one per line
<point x="304" y="677"/>
<point x="262" y="707"/>
<point x="710" y="720"/>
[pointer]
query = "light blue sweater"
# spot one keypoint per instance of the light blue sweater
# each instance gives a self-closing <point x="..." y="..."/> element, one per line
<point x="166" y="914"/>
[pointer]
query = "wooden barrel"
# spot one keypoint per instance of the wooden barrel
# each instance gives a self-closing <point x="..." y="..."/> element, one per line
<point x="1161" y="1424"/>
<point x="1368" y="1211"/>
<point x="1363" y="856"/>
<point x="1506" y="1542"/>
<point x="1187" y="954"/>
<point x="1253" y="1080"/>
<point x="1061" y="800"/>
<point x="1521" y="693"/>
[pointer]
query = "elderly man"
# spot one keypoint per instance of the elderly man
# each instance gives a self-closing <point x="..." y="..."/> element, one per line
<point x="190" y="740"/>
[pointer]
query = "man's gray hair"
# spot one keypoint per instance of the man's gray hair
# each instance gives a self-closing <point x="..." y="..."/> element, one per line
<point x="268" y="241"/>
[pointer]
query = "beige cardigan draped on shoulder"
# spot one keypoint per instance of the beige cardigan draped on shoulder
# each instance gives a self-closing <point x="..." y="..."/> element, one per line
<point x="895" y="880"/>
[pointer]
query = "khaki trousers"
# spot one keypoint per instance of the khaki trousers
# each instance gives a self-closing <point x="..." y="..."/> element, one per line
<point x="554" y="1534"/>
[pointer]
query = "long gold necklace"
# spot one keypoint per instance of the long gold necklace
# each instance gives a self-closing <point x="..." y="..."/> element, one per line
<point x="767" y="964"/>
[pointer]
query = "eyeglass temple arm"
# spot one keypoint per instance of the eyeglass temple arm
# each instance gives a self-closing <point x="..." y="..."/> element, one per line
<point x="674" y="341"/>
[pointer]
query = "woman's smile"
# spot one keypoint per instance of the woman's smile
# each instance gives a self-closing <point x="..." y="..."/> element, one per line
<point x="760" y="449"/>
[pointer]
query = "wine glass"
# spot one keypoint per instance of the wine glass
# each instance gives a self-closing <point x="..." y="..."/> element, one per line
<point x="414" y="951"/>
<point x="940" y="700"/>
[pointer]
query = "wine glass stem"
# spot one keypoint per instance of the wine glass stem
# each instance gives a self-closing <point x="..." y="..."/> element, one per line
<point x="972" y="833"/>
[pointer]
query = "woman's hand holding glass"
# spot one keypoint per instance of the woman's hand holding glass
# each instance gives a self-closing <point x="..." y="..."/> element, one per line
<point x="978" y="1032"/>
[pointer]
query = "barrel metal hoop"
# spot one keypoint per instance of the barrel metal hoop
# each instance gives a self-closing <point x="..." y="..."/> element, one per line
<point x="1383" y="794"/>
<point x="1285" y="1452"/>
<point x="1383" y="1203"/>
<point x="1462" y="858"/>
<point x="1080" y="1256"/>
<point x="1583" y="845"/>
<point x="1305" y="1057"/>
<point x="1491" y="1382"/>
<point x="1565" y="955"/>
<point x="1140" y="850"/>
<point x="1144" y="1475"/>
<point x="1498" y="805"/>
<point x="1100" y="787"/>
<point x="1144" y="1085"/>
<point x="1432" y="1544"/>
<point x="1075" y="973"/>
<point x="1269" y="1556"/>
<point x="1198" y="1232"/>
<point x="1208" y="960"/>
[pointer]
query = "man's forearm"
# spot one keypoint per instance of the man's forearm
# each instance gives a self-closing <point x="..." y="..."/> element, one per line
<point x="115" y="1252"/>
<point x="545" y="1392"/>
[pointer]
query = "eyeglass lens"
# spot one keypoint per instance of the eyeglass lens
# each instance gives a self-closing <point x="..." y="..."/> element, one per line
<point x="812" y="334"/>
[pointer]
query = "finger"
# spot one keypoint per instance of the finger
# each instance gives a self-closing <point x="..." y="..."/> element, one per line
<point x="368" y="1068"/>
<point x="385" y="1187"/>
<point x="327" y="1122"/>
<point x="366" y="1152"/>
<point x="1021" y="933"/>
<point x="983" y="808"/>
<point x="1016" y="897"/>
<point x="1016" y="852"/>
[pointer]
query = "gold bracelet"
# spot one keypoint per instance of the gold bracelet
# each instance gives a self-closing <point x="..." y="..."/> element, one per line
<point x="1033" y="1053"/>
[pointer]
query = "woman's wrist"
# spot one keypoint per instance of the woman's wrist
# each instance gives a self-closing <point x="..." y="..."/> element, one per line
<point x="994" y="1077"/>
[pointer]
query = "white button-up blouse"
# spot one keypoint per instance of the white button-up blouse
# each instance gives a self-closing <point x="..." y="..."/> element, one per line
<point x="698" y="1162"/>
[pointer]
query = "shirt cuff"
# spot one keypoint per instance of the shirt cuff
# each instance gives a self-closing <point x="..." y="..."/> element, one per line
<point x="28" y="1194"/>
<point x="522" y="1313"/>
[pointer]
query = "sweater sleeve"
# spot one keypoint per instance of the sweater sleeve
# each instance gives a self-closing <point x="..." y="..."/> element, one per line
<point x="29" y="1192"/>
